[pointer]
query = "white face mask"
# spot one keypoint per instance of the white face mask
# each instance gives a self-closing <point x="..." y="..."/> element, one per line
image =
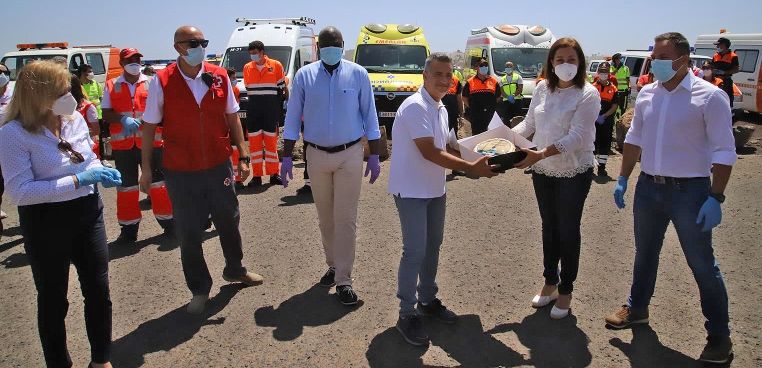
<point x="603" y="76"/>
<point x="90" y="76"/>
<point x="133" y="68"/>
<point x="565" y="72"/>
<point x="64" y="105"/>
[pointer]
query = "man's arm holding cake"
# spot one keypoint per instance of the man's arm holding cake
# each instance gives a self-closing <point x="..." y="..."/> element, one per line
<point x="475" y="169"/>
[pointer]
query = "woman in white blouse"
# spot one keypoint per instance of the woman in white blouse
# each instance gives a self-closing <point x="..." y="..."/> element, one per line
<point x="51" y="173"/>
<point x="562" y="118"/>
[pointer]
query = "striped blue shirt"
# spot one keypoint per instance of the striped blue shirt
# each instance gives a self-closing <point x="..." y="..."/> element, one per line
<point x="336" y="108"/>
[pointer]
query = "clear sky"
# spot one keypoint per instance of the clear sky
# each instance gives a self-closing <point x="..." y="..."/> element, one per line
<point x="601" y="26"/>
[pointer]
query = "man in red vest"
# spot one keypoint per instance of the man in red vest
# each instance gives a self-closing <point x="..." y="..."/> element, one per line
<point x="123" y="104"/>
<point x="194" y="102"/>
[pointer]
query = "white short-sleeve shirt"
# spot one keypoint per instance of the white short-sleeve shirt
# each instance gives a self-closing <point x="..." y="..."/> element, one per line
<point x="411" y="175"/>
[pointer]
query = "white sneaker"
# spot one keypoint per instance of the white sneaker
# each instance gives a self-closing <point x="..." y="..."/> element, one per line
<point x="540" y="301"/>
<point x="197" y="304"/>
<point x="558" y="313"/>
<point x="105" y="163"/>
<point x="3" y="215"/>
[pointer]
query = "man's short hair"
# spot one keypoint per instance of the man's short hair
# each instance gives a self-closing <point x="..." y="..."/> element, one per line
<point x="256" y="45"/>
<point x="436" y="56"/>
<point x="678" y="40"/>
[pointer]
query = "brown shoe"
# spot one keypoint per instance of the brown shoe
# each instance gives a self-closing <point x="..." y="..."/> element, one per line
<point x="625" y="317"/>
<point x="249" y="278"/>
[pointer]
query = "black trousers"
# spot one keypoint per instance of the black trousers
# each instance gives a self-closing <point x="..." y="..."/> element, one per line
<point x="196" y="195"/>
<point x="55" y="236"/>
<point x="603" y="136"/>
<point x="621" y="100"/>
<point x="508" y="111"/>
<point x="561" y="201"/>
<point x="128" y="163"/>
<point x="480" y="119"/>
<point x="727" y="86"/>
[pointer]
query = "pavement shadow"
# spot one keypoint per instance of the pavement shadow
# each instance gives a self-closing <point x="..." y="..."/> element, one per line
<point x="465" y="341"/>
<point x="165" y="243"/>
<point x="551" y="343"/>
<point x="297" y="199"/>
<point x="15" y="260"/>
<point x="314" y="307"/>
<point x="646" y="351"/>
<point x="169" y="331"/>
<point x="602" y="179"/>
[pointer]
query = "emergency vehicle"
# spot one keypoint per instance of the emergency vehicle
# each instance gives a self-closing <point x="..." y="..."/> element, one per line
<point x="526" y="46"/>
<point x="288" y="40"/>
<point x="748" y="47"/>
<point x="394" y="56"/>
<point x="639" y="62"/>
<point x="103" y="58"/>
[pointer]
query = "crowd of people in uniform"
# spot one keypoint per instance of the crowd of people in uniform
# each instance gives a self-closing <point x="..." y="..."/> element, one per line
<point x="173" y="136"/>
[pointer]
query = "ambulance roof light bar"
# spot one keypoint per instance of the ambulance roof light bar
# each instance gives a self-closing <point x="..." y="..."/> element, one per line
<point x="302" y="21"/>
<point x="48" y="45"/>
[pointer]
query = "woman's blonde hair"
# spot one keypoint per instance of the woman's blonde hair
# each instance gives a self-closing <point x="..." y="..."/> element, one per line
<point x="38" y="85"/>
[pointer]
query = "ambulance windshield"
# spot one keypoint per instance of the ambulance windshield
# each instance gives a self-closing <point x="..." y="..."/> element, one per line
<point x="237" y="57"/>
<point x="391" y="58"/>
<point x="14" y="63"/>
<point x="527" y="61"/>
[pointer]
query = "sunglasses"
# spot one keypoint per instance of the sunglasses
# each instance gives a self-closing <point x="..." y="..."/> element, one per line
<point x="194" y="43"/>
<point x="74" y="156"/>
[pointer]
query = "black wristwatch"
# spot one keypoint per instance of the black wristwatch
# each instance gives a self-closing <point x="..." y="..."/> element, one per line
<point x="246" y="159"/>
<point x="718" y="196"/>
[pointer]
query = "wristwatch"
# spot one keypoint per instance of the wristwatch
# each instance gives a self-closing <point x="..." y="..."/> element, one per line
<point x="246" y="159"/>
<point x="718" y="196"/>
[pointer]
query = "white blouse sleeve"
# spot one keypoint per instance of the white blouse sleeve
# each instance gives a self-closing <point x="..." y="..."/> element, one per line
<point x="582" y="127"/>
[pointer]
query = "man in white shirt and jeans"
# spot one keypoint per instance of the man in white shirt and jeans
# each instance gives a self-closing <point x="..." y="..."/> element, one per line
<point x="682" y="129"/>
<point x="417" y="181"/>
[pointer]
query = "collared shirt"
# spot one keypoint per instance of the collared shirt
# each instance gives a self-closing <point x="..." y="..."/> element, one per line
<point x="684" y="131"/>
<point x="337" y="108"/>
<point x="155" y="103"/>
<point x="564" y="118"/>
<point x="411" y="175"/>
<point x="36" y="171"/>
<point x="106" y="101"/>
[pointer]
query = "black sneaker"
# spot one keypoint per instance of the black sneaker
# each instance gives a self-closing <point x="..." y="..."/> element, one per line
<point x="438" y="310"/>
<point x="328" y="279"/>
<point x="346" y="295"/>
<point x="168" y="226"/>
<point x="602" y="171"/>
<point x="239" y="185"/>
<point x="411" y="329"/>
<point x="255" y="182"/>
<point x="718" y="350"/>
<point x="305" y="190"/>
<point x="275" y="180"/>
<point x="128" y="235"/>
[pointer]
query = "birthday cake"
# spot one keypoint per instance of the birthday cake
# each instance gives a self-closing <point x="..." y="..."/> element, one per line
<point x="495" y="146"/>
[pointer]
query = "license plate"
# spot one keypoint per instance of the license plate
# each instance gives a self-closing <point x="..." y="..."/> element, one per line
<point x="384" y="114"/>
<point x="242" y="114"/>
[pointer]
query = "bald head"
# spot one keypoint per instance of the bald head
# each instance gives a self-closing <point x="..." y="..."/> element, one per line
<point x="330" y="36"/>
<point x="185" y="33"/>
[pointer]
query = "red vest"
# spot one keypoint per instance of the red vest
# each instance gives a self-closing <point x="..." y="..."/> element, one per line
<point x="133" y="106"/>
<point x="195" y="137"/>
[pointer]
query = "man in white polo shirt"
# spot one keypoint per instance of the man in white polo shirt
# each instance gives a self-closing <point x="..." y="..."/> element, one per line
<point x="417" y="181"/>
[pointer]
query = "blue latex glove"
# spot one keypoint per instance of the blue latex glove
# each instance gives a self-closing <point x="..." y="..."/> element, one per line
<point x="373" y="168"/>
<point x="621" y="187"/>
<point x="601" y="119"/>
<point x="98" y="175"/>
<point x="286" y="170"/>
<point x="710" y="214"/>
<point x="113" y="178"/>
<point x="129" y="125"/>
<point x="511" y="99"/>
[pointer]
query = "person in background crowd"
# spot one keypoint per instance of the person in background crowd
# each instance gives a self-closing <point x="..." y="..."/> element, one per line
<point x="52" y="174"/>
<point x="511" y="87"/>
<point x="480" y="95"/>
<point x="724" y="65"/>
<point x="604" y="124"/>
<point x="87" y="110"/>
<point x="235" y="156"/>
<point x="149" y="71"/>
<point x="94" y="93"/>
<point x="562" y="118"/>
<point x="675" y="186"/>
<point x="622" y="74"/>
<point x="196" y="161"/>
<point x="5" y="99"/>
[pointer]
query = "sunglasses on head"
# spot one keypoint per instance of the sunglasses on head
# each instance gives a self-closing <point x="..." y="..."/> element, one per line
<point x="194" y="43"/>
<point x="74" y="156"/>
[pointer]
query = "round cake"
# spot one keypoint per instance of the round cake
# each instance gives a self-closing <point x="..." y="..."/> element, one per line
<point x="494" y="147"/>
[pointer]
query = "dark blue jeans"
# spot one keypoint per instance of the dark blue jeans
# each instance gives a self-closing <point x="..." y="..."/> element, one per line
<point x="655" y="206"/>
<point x="561" y="201"/>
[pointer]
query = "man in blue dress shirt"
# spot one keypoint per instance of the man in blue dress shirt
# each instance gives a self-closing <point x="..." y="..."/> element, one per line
<point x="335" y="99"/>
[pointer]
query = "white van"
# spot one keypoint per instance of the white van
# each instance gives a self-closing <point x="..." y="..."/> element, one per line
<point x="288" y="40"/>
<point x="639" y="62"/>
<point x="526" y="46"/>
<point x="103" y="58"/>
<point x="749" y="77"/>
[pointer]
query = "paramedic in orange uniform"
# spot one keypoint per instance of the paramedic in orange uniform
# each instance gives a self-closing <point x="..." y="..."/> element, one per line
<point x="604" y="125"/>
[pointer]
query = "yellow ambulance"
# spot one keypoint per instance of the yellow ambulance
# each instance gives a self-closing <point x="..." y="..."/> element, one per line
<point x="393" y="55"/>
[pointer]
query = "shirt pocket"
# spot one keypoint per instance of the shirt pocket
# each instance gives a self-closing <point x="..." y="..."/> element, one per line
<point x="348" y="102"/>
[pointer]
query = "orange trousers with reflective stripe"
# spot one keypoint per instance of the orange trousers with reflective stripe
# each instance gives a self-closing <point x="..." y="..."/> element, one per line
<point x="269" y="142"/>
<point x="128" y="195"/>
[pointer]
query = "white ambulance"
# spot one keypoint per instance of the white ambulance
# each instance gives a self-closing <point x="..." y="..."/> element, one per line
<point x="288" y="40"/>
<point x="526" y="46"/>
<point x="748" y="47"/>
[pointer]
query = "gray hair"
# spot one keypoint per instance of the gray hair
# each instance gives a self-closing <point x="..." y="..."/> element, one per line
<point x="436" y="56"/>
<point x="681" y="44"/>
